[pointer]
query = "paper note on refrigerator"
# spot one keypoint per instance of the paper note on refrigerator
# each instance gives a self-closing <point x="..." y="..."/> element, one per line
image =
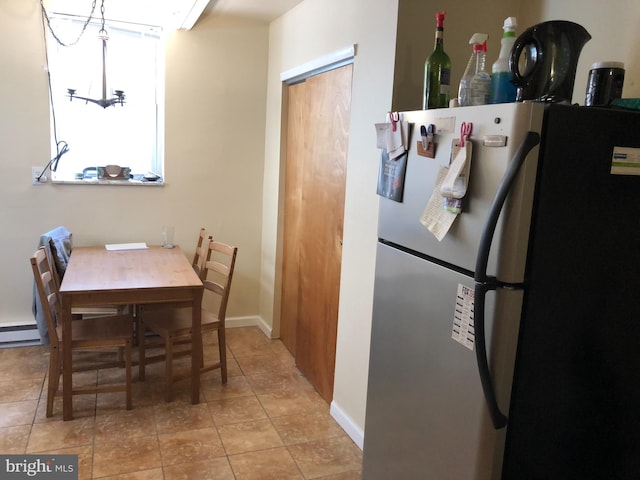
<point x="435" y="218"/>
<point x="463" y="330"/>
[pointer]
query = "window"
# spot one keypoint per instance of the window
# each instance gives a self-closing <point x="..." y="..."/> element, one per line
<point x="129" y="135"/>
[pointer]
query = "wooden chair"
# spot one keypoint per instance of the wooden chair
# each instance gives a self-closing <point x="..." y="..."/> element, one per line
<point x="57" y="244"/>
<point x="201" y="251"/>
<point x="113" y="333"/>
<point x="174" y="324"/>
<point x="141" y="331"/>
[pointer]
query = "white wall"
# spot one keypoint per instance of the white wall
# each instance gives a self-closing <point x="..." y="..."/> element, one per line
<point x="215" y="114"/>
<point x="613" y="26"/>
<point x="311" y="30"/>
<point x="416" y="38"/>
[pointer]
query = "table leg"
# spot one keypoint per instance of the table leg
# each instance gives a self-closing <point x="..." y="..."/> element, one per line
<point x="196" y="346"/>
<point x="67" y="360"/>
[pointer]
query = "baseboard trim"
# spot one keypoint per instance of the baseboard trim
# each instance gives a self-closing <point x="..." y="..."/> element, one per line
<point x="347" y="424"/>
<point x="250" y="321"/>
<point x="19" y="335"/>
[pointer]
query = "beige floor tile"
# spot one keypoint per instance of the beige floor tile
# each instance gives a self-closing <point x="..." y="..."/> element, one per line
<point x="114" y="426"/>
<point x="243" y="335"/>
<point x="236" y="410"/>
<point x="283" y="353"/>
<point x="124" y="456"/>
<point x="73" y="433"/>
<point x="212" y="352"/>
<point x="153" y="474"/>
<point x="115" y="401"/>
<point x="83" y="406"/>
<point x="293" y="403"/>
<point x="256" y="416"/>
<point x="20" y="389"/>
<point x="155" y="383"/>
<point x="13" y="440"/>
<point x="85" y="459"/>
<point x="176" y="416"/>
<point x="264" y="364"/>
<point x="353" y="475"/>
<point x="17" y="413"/>
<point x="272" y="464"/>
<point x="278" y="382"/>
<point x="147" y="393"/>
<point x="251" y="343"/>
<point x="190" y="446"/>
<point x="214" y="469"/>
<point x="249" y="437"/>
<point x="305" y="428"/>
<point x="326" y="457"/>
<point x="237" y="386"/>
<point x="233" y="368"/>
<point x="29" y="362"/>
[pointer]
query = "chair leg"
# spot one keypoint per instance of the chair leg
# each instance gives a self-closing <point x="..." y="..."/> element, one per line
<point x="169" y="367"/>
<point x="127" y="360"/>
<point x="223" y="353"/>
<point x="201" y="352"/>
<point x="54" y="379"/>
<point x="141" y="347"/>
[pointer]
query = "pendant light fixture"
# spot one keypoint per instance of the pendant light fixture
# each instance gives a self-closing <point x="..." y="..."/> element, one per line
<point x="104" y="102"/>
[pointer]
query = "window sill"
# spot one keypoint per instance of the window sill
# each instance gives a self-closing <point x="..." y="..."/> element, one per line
<point x="93" y="181"/>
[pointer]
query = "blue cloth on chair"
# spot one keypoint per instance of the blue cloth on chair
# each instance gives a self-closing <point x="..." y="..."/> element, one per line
<point x="57" y="243"/>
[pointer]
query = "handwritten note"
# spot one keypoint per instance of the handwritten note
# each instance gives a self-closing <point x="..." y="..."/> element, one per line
<point x="435" y="218"/>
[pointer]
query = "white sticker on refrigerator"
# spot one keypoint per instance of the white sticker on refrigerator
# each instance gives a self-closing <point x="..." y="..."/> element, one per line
<point x="625" y="161"/>
<point x="463" y="330"/>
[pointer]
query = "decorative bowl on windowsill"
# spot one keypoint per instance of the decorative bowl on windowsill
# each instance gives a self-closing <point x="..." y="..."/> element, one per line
<point x="114" y="172"/>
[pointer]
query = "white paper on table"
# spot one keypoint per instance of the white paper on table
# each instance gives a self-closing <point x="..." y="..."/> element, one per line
<point x="126" y="246"/>
<point x="435" y="218"/>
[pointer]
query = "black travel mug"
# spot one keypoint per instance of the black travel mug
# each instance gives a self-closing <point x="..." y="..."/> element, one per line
<point x="605" y="83"/>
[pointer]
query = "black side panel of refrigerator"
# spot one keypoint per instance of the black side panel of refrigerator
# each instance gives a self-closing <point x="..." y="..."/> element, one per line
<point x="575" y="406"/>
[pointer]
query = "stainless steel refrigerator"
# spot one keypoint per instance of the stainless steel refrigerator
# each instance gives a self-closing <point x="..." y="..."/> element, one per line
<point x="510" y="349"/>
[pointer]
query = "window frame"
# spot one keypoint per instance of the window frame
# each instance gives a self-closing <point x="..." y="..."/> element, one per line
<point x="152" y="107"/>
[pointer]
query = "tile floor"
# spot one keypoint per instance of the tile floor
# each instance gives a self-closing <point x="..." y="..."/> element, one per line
<point x="267" y="423"/>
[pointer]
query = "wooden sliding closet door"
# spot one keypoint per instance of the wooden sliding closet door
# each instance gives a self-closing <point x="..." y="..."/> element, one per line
<point x="317" y="140"/>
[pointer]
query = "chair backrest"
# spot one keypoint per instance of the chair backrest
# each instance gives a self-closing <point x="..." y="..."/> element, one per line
<point x="201" y="251"/>
<point x="58" y="245"/>
<point x="47" y="288"/>
<point x="218" y="273"/>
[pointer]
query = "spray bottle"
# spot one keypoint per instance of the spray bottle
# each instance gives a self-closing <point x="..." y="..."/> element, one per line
<point x="502" y="88"/>
<point x="474" y="67"/>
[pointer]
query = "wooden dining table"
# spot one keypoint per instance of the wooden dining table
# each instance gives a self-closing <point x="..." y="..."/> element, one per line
<point x="98" y="276"/>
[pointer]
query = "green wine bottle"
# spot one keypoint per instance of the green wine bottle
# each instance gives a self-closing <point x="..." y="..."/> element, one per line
<point x="437" y="71"/>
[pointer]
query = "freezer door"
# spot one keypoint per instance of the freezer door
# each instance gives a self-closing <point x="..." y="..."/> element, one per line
<point x="426" y="415"/>
<point x="399" y="222"/>
<point x="575" y="410"/>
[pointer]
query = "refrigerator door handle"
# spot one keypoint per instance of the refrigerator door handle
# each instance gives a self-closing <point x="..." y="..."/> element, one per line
<point x="484" y="248"/>
<point x="498" y="419"/>
<point x="485" y="283"/>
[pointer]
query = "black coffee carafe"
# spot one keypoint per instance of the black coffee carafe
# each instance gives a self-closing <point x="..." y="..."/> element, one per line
<point x="547" y="71"/>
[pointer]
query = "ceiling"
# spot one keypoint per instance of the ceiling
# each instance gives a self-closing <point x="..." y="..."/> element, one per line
<point x="175" y="13"/>
<point x="262" y="10"/>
